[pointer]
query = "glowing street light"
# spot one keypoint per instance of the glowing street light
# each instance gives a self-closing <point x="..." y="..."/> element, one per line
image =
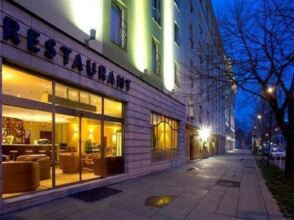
<point x="204" y="133"/>
<point x="259" y="116"/>
<point x="270" y="90"/>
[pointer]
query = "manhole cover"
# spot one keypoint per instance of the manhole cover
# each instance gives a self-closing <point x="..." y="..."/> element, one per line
<point x="96" y="194"/>
<point x="228" y="183"/>
<point x="159" y="201"/>
<point x="192" y="168"/>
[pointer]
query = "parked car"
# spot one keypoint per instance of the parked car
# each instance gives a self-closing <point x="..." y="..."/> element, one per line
<point x="277" y="152"/>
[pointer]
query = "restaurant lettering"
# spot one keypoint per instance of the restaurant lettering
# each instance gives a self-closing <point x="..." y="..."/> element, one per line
<point x="10" y="32"/>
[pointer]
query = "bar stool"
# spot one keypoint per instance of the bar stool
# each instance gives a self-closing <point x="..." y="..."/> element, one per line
<point x="13" y="153"/>
<point x="29" y="151"/>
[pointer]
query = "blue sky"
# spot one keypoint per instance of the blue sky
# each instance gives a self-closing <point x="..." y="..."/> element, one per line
<point x="245" y="104"/>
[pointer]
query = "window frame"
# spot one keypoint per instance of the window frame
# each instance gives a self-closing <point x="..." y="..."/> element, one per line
<point x="122" y="29"/>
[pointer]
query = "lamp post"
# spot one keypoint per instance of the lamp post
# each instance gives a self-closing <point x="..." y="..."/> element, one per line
<point x="259" y="117"/>
<point x="204" y="134"/>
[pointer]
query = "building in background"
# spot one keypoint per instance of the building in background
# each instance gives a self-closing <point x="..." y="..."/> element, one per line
<point x="97" y="92"/>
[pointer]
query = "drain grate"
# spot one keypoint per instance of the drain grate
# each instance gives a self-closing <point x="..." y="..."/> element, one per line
<point x="159" y="201"/>
<point x="96" y="194"/>
<point x="228" y="183"/>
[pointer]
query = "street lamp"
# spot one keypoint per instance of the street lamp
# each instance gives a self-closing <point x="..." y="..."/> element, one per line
<point x="204" y="133"/>
<point x="270" y="90"/>
<point x="259" y="116"/>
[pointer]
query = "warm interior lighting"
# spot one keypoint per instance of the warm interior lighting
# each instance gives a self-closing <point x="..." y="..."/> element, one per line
<point x="168" y="44"/>
<point x="204" y="133"/>
<point x="140" y="35"/>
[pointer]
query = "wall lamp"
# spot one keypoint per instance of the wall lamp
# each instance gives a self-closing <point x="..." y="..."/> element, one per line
<point x="91" y="37"/>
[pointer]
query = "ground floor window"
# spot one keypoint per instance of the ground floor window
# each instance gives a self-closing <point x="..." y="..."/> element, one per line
<point x="54" y="135"/>
<point x="164" y="137"/>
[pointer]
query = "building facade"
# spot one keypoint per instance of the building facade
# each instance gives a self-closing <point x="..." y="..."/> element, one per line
<point x="95" y="92"/>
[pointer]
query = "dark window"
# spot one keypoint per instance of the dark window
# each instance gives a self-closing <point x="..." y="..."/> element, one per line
<point x="191" y="107"/>
<point x="177" y="34"/>
<point x="177" y="74"/>
<point x="155" y="57"/>
<point x="191" y="37"/>
<point x="156" y="11"/>
<point x="191" y="6"/>
<point x="177" y="2"/>
<point x="118" y="26"/>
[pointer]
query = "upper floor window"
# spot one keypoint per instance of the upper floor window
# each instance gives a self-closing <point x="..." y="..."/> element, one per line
<point x="191" y="37"/>
<point x="177" y="74"/>
<point x="118" y="33"/>
<point x="177" y="2"/>
<point x="191" y="6"/>
<point x="191" y="107"/>
<point x="156" y="11"/>
<point x="177" y="33"/>
<point x="155" y="57"/>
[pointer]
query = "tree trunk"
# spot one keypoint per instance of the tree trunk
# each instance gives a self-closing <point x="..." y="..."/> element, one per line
<point x="289" y="163"/>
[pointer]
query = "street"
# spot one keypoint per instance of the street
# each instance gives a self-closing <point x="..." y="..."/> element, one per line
<point x="195" y="188"/>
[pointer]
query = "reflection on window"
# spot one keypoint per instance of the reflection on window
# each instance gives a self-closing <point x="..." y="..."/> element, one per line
<point x="74" y="98"/>
<point x="18" y="83"/>
<point x="112" y="108"/>
<point x="164" y="137"/>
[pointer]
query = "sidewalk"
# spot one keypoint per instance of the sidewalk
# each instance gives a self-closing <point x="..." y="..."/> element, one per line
<point x="197" y="196"/>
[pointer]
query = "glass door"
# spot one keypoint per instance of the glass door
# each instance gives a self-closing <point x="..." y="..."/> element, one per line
<point x="91" y="148"/>
<point x="67" y="149"/>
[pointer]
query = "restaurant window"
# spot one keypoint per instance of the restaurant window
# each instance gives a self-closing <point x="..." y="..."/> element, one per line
<point x="155" y="57"/>
<point x="164" y="138"/>
<point x="118" y="34"/>
<point x="67" y="136"/>
<point x="156" y="11"/>
<point x="45" y="146"/>
<point x="113" y="108"/>
<point x="18" y="83"/>
<point x="74" y="98"/>
<point x="26" y="150"/>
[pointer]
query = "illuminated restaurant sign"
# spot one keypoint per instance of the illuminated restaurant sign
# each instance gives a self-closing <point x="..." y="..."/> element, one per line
<point x="10" y="32"/>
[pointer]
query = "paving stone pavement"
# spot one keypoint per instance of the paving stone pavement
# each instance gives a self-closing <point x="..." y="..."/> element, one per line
<point x="197" y="195"/>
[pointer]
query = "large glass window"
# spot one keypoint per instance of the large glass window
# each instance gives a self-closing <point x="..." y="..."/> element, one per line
<point x="46" y="145"/>
<point x="18" y="83"/>
<point x="67" y="135"/>
<point x="91" y="149"/>
<point x="113" y="163"/>
<point x="113" y="108"/>
<point x="26" y="150"/>
<point x="164" y="137"/>
<point x="74" y="98"/>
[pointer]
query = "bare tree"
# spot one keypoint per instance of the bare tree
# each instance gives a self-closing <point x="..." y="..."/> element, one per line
<point x="259" y="37"/>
